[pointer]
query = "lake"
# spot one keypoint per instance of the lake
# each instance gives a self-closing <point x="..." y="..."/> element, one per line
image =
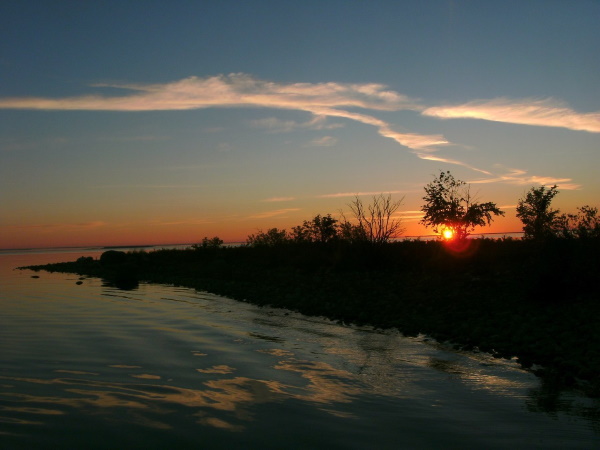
<point x="91" y="366"/>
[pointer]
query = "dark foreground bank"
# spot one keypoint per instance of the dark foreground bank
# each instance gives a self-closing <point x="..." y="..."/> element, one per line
<point x="538" y="302"/>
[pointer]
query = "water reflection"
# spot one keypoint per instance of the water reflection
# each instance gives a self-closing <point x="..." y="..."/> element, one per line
<point x="189" y="363"/>
<point x="222" y="369"/>
<point x="477" y="378"/>
<point x="225" y="403"/>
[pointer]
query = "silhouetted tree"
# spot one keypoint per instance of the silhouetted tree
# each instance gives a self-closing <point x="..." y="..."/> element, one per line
<point x="376" y="223"/>
<point x="270" y="238"/>
<point x="539" y="220"/>
<point x="449" y="204"/>
<point x="214" y="242"/>
<point x="584" y="224"/>
<point x="349" y="232"/>
<point x="319" y="229"/>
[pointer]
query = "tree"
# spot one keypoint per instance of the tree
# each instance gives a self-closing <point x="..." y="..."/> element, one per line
<point x="349" y="232"/>
<point x="271" y="238"/>
<point x="449" y="205"/>
<point x="319" y="229"/>
<point x="584" y="224"/>
<point x="539" y="220"/>
<point x="376" y="223"/>
<point x="214" y="242"/>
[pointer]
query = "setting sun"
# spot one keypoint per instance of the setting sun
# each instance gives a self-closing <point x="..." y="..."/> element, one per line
<point x="448" y="233"/>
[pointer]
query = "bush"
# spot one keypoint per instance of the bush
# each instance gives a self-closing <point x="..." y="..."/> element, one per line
<point x="111" y="257"/>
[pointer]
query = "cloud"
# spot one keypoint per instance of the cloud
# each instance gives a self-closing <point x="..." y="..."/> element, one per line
<point x="236" y="89"/>
<point x="147" y="138"/>
<point x="520" y="177"/>
<point x="279" y="199"/>
<point x="276" y="125"/>
<point x="431" y="157"/>
<point x="545" y="113"/>
<point x="411" y="140"/>
<point x="323" y="101"/>
<point x="184" y="222"/>
<point x="325" y="141"/>
<point x="356" y="194"/>
<point x="224" y="147"/>
<point x="57" y="226"/>
<point x="275" y="213"/>
<point x="149" y="186"/>
<point x="241" y="90"/>
<point x="410" y="216"/>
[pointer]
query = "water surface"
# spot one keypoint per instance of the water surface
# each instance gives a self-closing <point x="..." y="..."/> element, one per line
<point x="90" y="366"/>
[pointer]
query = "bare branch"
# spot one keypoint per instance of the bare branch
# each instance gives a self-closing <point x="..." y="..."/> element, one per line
<point x="377" y="220"/>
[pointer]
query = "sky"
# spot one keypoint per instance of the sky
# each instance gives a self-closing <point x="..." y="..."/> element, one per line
<point x="152" y="122"/>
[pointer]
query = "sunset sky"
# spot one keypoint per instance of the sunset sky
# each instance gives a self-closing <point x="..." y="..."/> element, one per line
<point x="153" y="122"/>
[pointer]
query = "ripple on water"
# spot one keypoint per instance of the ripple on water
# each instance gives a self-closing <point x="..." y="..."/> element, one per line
<point x="162" y="366"/>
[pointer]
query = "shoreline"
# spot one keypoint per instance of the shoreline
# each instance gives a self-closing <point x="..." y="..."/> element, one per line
<point x="507" y="298"/>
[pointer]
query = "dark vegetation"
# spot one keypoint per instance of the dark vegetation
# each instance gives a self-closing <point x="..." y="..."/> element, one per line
<point x="536" y="299"/>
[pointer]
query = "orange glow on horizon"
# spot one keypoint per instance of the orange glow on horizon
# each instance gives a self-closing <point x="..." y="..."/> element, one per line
<point x="70" y="233"/>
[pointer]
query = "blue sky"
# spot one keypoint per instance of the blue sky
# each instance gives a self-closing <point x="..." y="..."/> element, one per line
<point x="153" y="122"/>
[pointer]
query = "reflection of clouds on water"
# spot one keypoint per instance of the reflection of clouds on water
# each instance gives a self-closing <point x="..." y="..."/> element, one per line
<point x="222" y="369"/>
<point x="389" y="364"/>
<point x="222" y="403"/>
<point x="75" y="372"/>
<point x="326" y="384"/>
<point x="146" y="376"/>
<point x="474" y="375"/>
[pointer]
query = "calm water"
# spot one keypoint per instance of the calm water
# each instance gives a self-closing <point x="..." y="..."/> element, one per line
<point x="90" y="366"/>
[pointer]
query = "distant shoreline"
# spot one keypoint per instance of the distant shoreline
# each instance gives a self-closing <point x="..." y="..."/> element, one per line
<point x="500" y="235"/>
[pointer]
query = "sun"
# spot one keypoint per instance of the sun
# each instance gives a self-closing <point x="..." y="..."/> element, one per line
<point x="448" y="233"/>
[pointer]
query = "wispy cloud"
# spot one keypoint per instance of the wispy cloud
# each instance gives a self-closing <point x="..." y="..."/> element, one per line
<point x="276" y="125"/>
<point x="275" y="213"/>
<point x="279" y="199"/>
<point x="147" y="138"/>
<point x="356" y="194"/>
<point x="184" y="222"/>
<point x="56" y="226"/>
<point x="545" y="113"/>
<point x="410" y="216"/>
<point x="325" y="141"/>
<point x="213" y="130"/>
<point x="521" y="177"/>
<point x="431" y="157"/>
<point x="238" y="90"/>
<point x="12" y="144"/>
<point x="149" y="186"/>
<point x="235" y="89"/>
<point x="224" y="147"/>
<point x="413" y="141"/>
<point x="324" y="101"/>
